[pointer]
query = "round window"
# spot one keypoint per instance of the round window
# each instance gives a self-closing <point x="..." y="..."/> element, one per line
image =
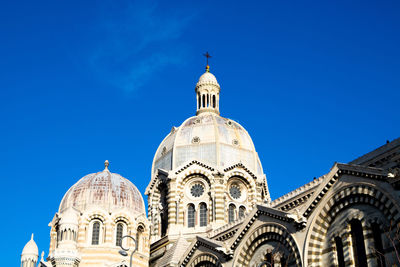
<point x="197" y="190"/>
<point x="235" y="192"/>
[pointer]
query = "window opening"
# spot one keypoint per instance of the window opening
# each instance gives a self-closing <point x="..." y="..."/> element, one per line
<point x="242" y="211"/>
<point x="120" y="230"/>
<point x="191" y="214"/>
<point x="96" y="233"/>
<point x="231" y="212"/>
<point x="339" y="251"/>
<point x="203" y="214"/>
<point x="357" y="236"/>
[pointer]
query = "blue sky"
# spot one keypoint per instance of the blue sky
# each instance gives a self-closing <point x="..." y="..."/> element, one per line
<point x="313" y="82"/>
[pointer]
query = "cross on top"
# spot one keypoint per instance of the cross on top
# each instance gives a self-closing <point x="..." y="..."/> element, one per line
<point x="207" y="55"/>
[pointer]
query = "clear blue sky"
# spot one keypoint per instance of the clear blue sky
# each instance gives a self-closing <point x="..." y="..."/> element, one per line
<point x="313" y="82"/>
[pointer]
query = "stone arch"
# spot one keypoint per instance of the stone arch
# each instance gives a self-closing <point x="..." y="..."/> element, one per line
<point x="241" y="175"/>
<point x="193" y="173"/>
<point x="205" y="260"/>
<point x="244" y="177"/>
<point x="341" y="200"/>
<point x="97" y="214"/>
<point x="262" y="235"/>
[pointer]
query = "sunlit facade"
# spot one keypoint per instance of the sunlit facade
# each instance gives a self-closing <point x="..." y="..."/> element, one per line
<point x="209" y="205"/>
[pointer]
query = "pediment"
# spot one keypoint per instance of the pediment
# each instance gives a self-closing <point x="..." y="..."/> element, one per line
<point x="337" y="171"/>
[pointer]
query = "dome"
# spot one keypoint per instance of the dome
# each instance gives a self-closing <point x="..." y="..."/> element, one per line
<point x="69" y="217"/>
<point x="31" y="248"/>
<point x="106" y="190"/>
<point x="208" y="138"/>
<point x="207" y="78"/>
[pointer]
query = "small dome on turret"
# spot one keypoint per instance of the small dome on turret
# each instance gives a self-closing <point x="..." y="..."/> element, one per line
<point x="30" y="248"/>
<point x="69" y="216"/>
<point x="207" y="78"/>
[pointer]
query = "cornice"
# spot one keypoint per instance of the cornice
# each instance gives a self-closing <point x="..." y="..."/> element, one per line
<point x="194" y="162"/>
<point x="297" y="192"/>
<point x="242" y="166"/>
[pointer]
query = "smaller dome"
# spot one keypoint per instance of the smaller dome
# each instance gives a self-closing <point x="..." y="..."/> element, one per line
<point x="106" y="190"/>
<point x="31" y="248"/>
<point x="207" y="78"/>
<point x="69" y="217"/>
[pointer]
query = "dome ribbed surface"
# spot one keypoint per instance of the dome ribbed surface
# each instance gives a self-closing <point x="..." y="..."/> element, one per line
<point x="104" y="189"/>
<point x="211" y="139"/>
<point x="207" y="78"/>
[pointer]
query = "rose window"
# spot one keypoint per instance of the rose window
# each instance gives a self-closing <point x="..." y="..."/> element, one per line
<point x="197" y="190"/>
<point x="235" y="192"/>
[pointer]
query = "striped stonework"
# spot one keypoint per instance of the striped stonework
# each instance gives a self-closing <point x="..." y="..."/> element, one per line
<point x="264" y="234"/>
<point x="171" y="200"/>
<point x="348" y="196"/>
<point x="220" y="201"/>
<point x="205" y="259"/>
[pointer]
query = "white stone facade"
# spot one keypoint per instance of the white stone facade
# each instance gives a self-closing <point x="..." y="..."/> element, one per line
<point x="209" y="205"/>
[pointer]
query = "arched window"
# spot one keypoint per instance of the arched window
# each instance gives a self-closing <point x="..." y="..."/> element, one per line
<point x="139" y="236"/>
<point x="357" y="237"/>
<point x="208" y="100"/>
<point x="268" y="259"/>
<point x="96" y="233"/>
<point x="213" y="101"/>
<point x="198" y="101"/>
<point x="242" y="211"/>
<point x="203" y="214"/>
<point x="377" y="234"/>
<point x="204" y="101"/>
<point x="119" y="233"/>
<point x="191" y="215"/>
<point x="164" y="212"/>
<point x="339" y="251"/>
<point x="231" y="214"/>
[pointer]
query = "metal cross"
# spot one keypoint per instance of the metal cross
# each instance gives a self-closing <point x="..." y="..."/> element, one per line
<point x="207" y="55"/>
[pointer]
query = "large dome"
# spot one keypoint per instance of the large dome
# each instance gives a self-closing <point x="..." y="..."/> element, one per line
<point x="105" y="190"/>
<point x="211" y="139"/>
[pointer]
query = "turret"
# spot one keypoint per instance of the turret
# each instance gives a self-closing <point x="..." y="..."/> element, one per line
<point x="207" y="93"/>
<point x="66" y="253"/>
<point x="30" y="254"/>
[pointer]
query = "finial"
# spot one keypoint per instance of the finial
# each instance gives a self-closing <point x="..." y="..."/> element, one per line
<point x="41" y="256"/>
<point x="32" y="236"/>
<point x="207" y="55"/>
<point x="106" y="163"/>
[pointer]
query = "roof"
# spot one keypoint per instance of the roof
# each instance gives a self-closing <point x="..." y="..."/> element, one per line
<point x="380" y="157"/>
<point x="106" y="190"/>
<point x="174" y="254"/>
<point x="218" y="142"/>
<point x="31" y="248"/>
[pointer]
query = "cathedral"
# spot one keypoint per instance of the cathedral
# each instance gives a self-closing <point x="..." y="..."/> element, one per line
<point x="209" y="205"/>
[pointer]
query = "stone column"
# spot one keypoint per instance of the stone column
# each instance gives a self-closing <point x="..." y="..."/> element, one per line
<point x="333" y="253"/>
<point x="171" y="204"/>
<point x="348" y="248"/>
<point x="369" y="245"/>
<point x="220" y="209"/>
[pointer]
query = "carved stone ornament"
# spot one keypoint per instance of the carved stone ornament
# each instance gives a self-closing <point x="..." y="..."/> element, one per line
<point x="196" y="140"/>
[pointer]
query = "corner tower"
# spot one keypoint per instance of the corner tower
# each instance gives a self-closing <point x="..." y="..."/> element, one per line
<point x="206" y="173"/>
